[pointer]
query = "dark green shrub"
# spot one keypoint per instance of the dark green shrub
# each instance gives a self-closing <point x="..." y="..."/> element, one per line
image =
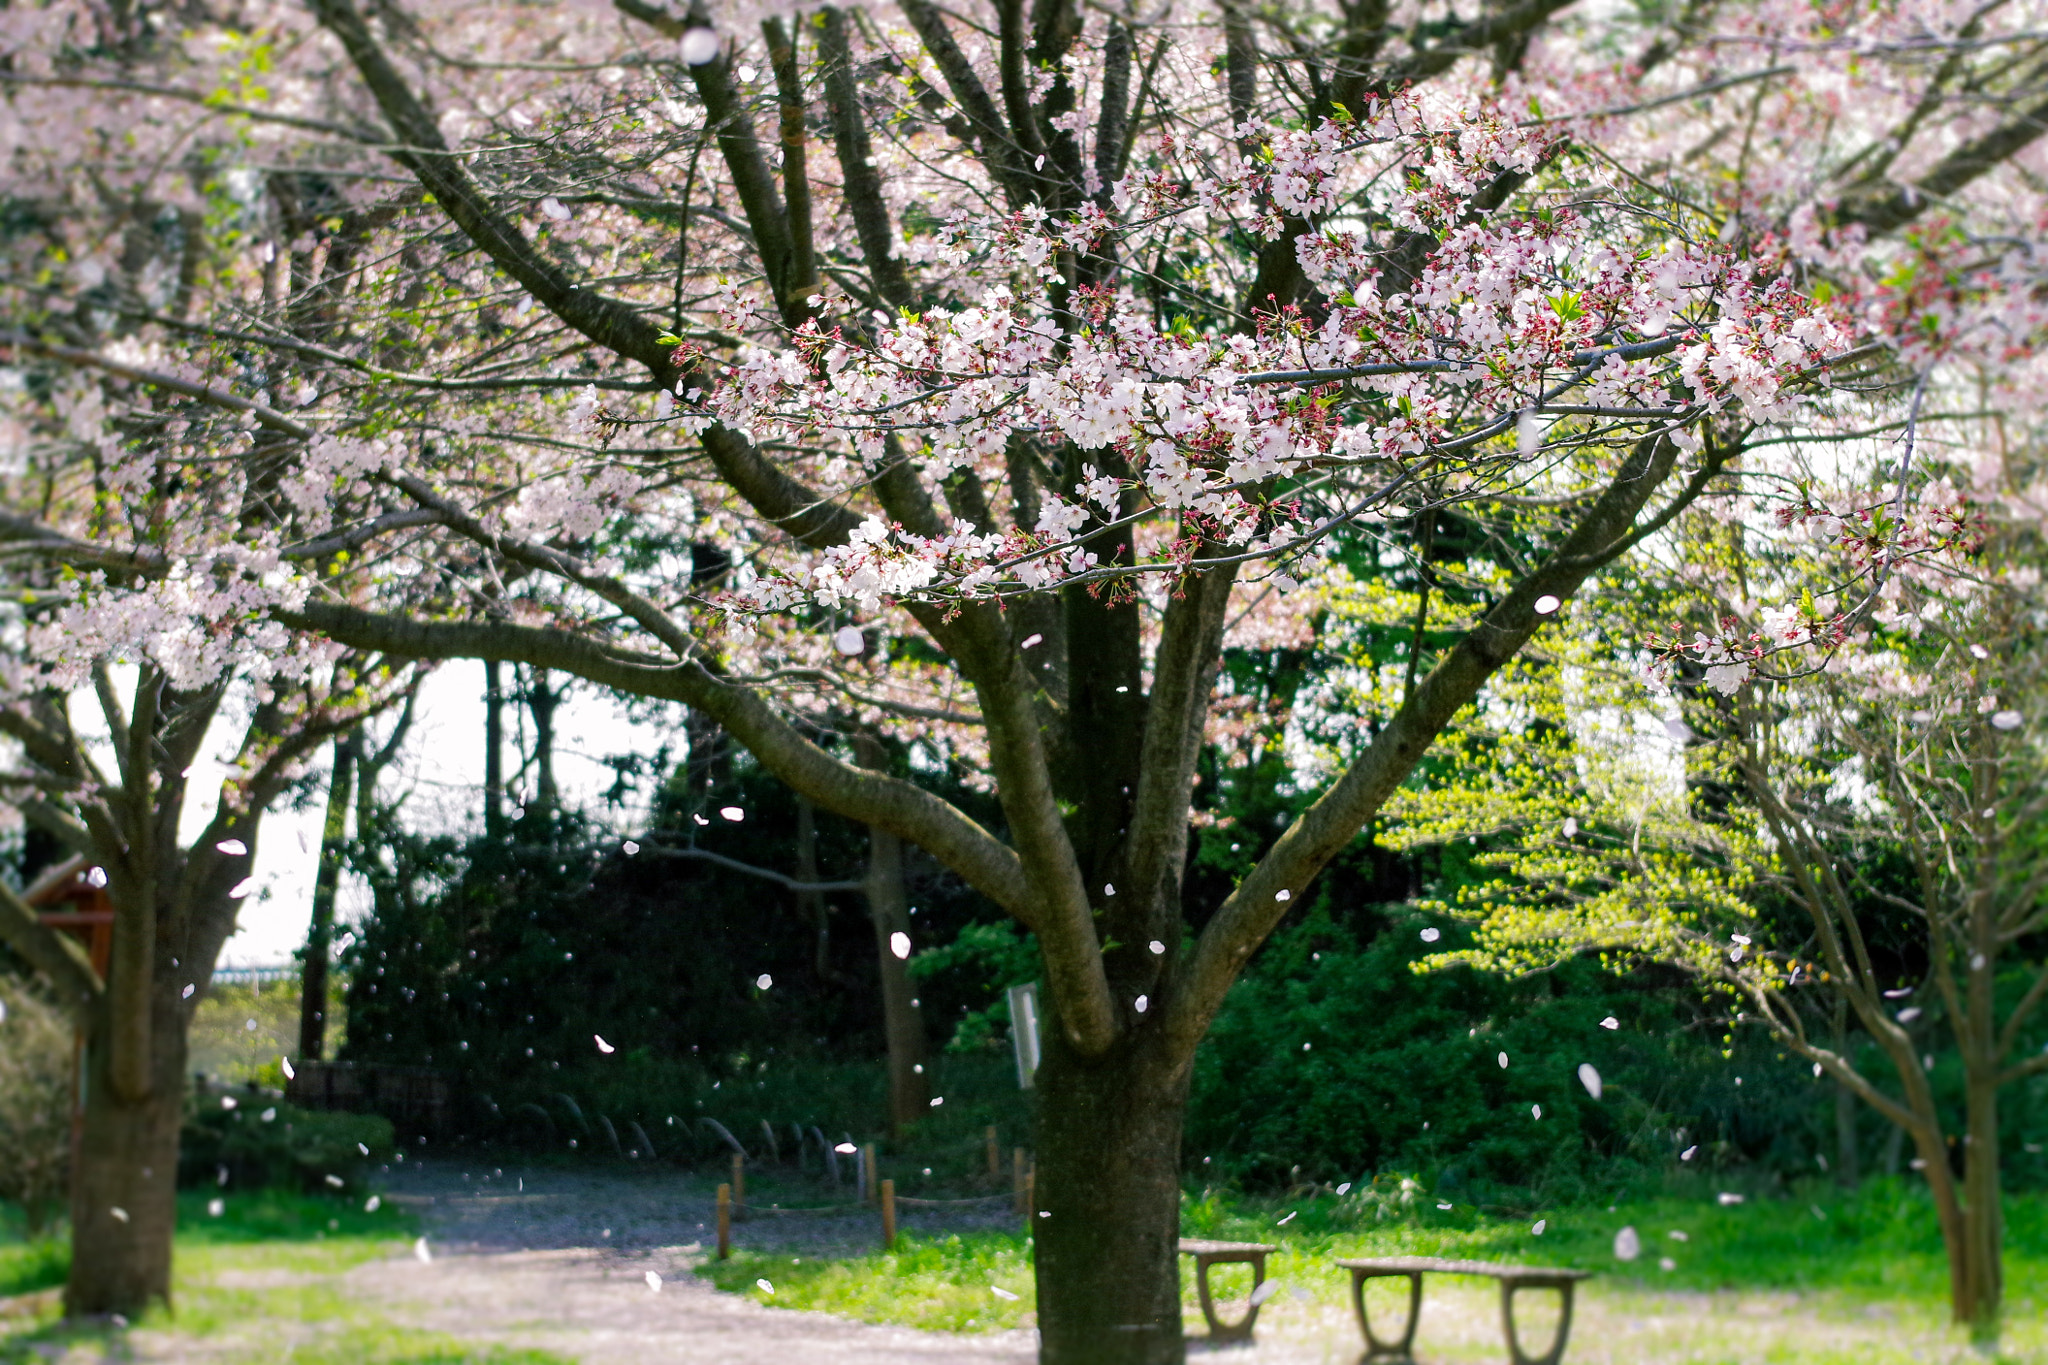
<point x="261" y="1141"/>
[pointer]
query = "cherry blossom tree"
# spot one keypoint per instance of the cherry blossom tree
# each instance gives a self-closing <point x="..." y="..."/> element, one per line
<point x="1866" y="757"/>
<point x="990" y="374"/>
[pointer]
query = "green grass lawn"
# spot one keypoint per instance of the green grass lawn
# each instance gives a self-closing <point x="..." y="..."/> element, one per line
<point x="1826" y="1257"/>
<point x="259" y="1273"/>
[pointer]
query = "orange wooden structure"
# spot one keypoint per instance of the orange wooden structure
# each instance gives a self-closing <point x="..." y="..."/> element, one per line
<point x="72" y="896"/>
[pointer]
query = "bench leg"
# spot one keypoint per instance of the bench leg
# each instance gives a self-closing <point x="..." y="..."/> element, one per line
<point x="1220" y="1330"/>
<point x="1564" y="1324"/>
<point x="1374" y="1347"/>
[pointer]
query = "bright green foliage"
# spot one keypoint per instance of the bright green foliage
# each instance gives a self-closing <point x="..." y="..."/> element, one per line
<point x="1582" y="804"/>
<point x="939" y="1283"/>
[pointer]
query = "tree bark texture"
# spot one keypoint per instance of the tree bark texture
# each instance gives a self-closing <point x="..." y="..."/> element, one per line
<point x="124" y="1186"/>
<point x="1107" y="1223"/>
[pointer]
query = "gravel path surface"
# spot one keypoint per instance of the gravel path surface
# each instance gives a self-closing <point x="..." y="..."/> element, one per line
<point x="558" y="1260"/>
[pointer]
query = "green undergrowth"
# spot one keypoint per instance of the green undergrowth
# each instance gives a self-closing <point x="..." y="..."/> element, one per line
<point x="937" y="1283"/>
<point x="1875" y="1246"/>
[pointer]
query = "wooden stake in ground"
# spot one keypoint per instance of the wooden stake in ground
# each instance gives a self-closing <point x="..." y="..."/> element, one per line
<point x="888" y="1215"/>
<point x="724" y="1222"/>
<point x="739" y="1183"/>
<point x="867" y="1163"/>
<point x="995" y="1155"/>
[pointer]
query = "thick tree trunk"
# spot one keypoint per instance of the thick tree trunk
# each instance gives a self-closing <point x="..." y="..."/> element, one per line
<point x="1980" y="1298"/>
<point x="123" y="1205"/>
<point x="326" y="881"/>
<point x="1107" y="1223"/>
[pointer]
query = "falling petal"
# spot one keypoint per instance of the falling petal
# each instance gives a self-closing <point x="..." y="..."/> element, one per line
<point x="1590" y="1078"/>
<point x="1666" y="1263"/>
<point x="1907" y="1016"/>
<point x="96" y="878"/>
<point x="654" y="1282"/>
<point x="1445" y="1207"/>
<point x="1158" y="948"/>
<point x="1610" y="1022"/>
<point x="849" y="640"/>
<point x="1678" y="1236"/>
<point x="2007" y="720"/>
<point x="1283" y="895"/>
<point x="1108" y="889"/>
<point x="764" y="981"/>
<point x="1627" y="1245"/>
<point x="241" y="888"/>
<point x="1431" y="935"/>
<point x="766" y="1288"/>
<point x="938" y="1100"/>
<point x="1005" y="1295"/>
<point x="120" y="1214"/>
<point x="1535" y="1111"/>
<point x="899" y="946"/>
<point x="1571" y="827"/>
<point x="1728" y="1199"/>
<point x="1528" y="435"/>
<point x="335" y="1181"/>
<point x="373" y="1203"/>
<point x="1029" y="642"/>
<point x="420" y="1252"/>
<point x="630" y="847"/>
<point x="270" y="1114"/>
<point x="1343" y="1189"/>
<point x="234" y="848"/>
<point x="1503" y="1061"/>
<point x="1678" y="730"/>
<point x="603" y="1046"/>
<point x="1141" y="1004"/>
<point x="732" y="813"/>
<point x="699" y="45"/>
<point x="846" y="1149"/>
<point x="1264" y="1292"/>
<point x="555" y="209"/>
<point x="1546" y="604"/>
<point x="1541" y="1223"/>
<point x="285" y="1063"/>
<point x="215" y="1207"/>
<point x="1687" y="1154"/>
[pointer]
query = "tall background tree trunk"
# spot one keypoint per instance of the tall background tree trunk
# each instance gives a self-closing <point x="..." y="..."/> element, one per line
<point x="326" y="881"/>
<point x="902" y="1020"/>
<point x="494" y="750"/>
<point x="1107" y="1225"/>
<point x="1848" y="1161"/>
<point x="128" y="1161"/>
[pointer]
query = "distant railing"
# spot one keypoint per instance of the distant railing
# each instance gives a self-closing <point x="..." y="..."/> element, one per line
<point x="414" y="1097"/>
<point x="254" y="976"/>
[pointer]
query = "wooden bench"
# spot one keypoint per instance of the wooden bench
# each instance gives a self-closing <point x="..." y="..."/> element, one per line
<point x="1207" y="1254"/>
<point x="1513" y="1278"/>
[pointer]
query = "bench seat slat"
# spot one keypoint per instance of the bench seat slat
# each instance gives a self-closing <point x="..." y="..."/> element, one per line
<point x="1411" y="1265"/>
<point x="1190" y="1246"/>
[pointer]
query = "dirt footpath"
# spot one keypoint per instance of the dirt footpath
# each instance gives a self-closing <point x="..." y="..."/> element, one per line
<point x="559" y="1261"/>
